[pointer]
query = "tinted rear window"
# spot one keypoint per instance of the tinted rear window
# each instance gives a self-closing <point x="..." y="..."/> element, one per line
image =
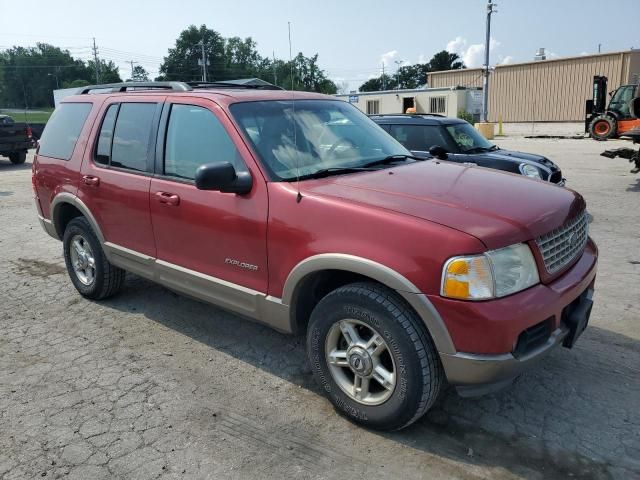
<point x="63" y="129"/>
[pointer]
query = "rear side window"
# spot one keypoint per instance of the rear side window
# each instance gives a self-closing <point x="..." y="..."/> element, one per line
<point x="63" y="129"/>
<point x="131" y="136"/>
<point x="196" y="137"/>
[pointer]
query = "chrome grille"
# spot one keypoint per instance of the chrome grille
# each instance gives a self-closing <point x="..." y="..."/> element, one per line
<point x="561" y="246"/>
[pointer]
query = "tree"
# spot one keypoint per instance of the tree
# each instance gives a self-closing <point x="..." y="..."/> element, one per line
<point x="235" y="58"/>
<point x="445" y="61"/>
<point x="413" y="76"/>
<point x="76" y="84"/>
<point x="182" y="61"/>
<point x="383" y="82"/>
<point x="31" y="74"/>
<point x="108" y="72"/>
<point x="139" y="74"/>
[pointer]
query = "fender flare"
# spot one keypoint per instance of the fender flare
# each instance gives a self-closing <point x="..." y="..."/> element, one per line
<point x="65" y="197"/>
<point x="382" y="274"/>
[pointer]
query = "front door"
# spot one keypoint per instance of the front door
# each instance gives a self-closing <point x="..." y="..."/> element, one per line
<point x="211" y="245"/>
<point x="116" y="175"/>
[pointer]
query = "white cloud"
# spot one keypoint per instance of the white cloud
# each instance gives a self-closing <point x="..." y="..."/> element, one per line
<point x="422" y="58"/>
<point x="456" y="45"/>
<point x="387" y="58"/>
<point x="584" y="53"/>
<point x="506" y="60"/>
<point x="472" y="55"/>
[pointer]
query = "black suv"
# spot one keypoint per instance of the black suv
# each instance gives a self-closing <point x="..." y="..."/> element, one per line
<point x="457" y="141"/>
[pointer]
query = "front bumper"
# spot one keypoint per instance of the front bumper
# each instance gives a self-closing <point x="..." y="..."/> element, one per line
<point x="493" y="328"/>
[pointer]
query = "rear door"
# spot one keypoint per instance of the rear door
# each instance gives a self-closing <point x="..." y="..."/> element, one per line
<point x="116" y="176"/>
<point x="207" y="238"/>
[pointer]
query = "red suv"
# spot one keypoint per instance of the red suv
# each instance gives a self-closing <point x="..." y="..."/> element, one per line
<point x="296" y="210"/>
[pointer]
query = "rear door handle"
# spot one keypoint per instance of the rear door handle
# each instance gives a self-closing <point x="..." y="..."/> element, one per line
<point x="91" y="180"/>
<point x="168" y="198"/>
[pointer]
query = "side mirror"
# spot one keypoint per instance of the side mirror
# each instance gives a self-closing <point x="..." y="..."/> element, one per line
<point x="635" y="107"/>
<point x="439" y="152"/>
<point x="223" y="177"/>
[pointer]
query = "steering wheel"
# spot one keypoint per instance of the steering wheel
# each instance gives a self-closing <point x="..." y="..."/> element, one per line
<point x="337" y="143"/>
<point x="465" y="140"/>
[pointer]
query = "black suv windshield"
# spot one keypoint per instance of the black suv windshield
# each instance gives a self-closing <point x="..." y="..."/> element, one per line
<point x="468" y="139"/>
<point x="318" y="135"/>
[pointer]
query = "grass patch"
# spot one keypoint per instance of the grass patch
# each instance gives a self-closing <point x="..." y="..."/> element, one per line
<point x="38" y="116"/>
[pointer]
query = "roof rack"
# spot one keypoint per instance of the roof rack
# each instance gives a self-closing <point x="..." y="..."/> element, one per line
<point x="125" y="86"/>
<point x="248" y="84"/>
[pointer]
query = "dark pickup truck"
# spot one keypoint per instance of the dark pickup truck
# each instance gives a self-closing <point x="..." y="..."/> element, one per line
<point x="15" y="139"/>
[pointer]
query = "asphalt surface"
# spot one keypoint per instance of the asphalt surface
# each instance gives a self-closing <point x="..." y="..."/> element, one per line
<point x="153" y="385"/>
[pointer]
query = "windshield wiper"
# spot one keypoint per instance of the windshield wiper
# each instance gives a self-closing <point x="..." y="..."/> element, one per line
<point x="325" y="172"/>
<point x="367" y="167"/>
<point x="393" y="158"/>
<point x="481" y="149"/>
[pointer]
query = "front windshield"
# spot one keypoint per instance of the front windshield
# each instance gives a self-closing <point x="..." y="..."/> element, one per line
<point x="467" y="138"/>
<point x="327" y="134"/>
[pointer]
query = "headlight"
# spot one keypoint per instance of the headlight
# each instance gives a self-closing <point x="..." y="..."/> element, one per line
<point x="492" y="275"/>
<point x="530" y="171"/>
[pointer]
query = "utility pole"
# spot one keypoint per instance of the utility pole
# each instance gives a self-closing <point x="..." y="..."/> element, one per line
<point x="485" y="82"/>
<point x="95" y="60"/>
<point x="203" y="61"/>
<point x="398" y="63"/>
<point x="275" y="71"/>
<point x="384" y="80"/>
<point x="132" y="62"/>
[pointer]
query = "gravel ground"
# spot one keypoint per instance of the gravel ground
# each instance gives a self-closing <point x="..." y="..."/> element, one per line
<point x="150" y="384"/>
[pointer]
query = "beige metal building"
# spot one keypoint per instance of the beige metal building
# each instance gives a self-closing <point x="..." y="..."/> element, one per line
<point x="546" y="90"/>
<point x="445" y="101"/>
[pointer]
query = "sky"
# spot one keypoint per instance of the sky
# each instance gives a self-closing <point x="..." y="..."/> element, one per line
<point x="353" y="38"/>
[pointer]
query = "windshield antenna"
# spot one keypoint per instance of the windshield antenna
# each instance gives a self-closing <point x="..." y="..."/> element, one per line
<point x="293" y="120"/>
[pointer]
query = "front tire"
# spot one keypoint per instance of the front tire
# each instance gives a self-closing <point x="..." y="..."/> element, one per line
<point x="373" y="357"/>
<point x="603" y="127"/>
<point x="90" y="271"/>
<point x="17" y="157"/>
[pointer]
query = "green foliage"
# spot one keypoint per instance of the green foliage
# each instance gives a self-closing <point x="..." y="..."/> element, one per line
<point x="29" y="75"/>
<point x="235" y="58"/>
<point x="76" y="84"/>
<point x="413" y="76"/>
<point x="445" y="61"/>
<point x="466" y="116"/>
<point x="38" y="116"/>
<point x="139" y="74"/>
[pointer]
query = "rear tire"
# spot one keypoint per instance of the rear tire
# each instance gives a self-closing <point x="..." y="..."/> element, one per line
<point x="373" y="356"/>
<point x="90" y="271"/>
<point x="603" y="127"/>
<point x="17" y="157"/>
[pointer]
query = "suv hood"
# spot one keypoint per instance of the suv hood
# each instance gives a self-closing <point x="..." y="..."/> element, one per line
<point x="498" y="208"/>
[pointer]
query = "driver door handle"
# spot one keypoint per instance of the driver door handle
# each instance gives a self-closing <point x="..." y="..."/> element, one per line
<point x="168" y="198"/>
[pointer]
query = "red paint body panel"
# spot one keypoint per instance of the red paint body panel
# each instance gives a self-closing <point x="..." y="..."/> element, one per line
<point x="498" y="208"/>
<point x="326" y="224"/>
